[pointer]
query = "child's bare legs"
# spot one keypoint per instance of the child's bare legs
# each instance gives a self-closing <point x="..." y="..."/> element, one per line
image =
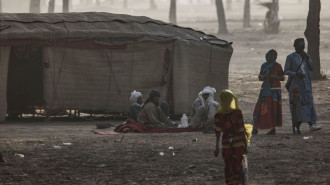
<point x="296" y="128"/>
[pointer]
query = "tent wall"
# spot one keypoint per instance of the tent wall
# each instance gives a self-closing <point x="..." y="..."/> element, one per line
<point x="4" y="60"/>
<point x="102" y="79"/>
<point x="198" y="65"/>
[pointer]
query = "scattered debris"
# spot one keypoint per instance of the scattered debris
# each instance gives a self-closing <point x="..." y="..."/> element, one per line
<point x="19" y="155"/>
<point x="161" y="153"/>
<point x="173" y="154"/>
<point x="57" y="147"/>
<point x="67" y="144"/>
<point x="308" y="137"/>
<point x="194" y="140"/>
<point x="171" y="148"/>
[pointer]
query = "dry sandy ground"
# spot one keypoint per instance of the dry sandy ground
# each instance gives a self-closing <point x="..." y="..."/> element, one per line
<point x="284" y="159"/>
<point x="135" y="158"/>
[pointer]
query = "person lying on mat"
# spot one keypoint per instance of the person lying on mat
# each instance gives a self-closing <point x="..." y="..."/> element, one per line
<point x="136" y="99"/>
<point x="204" y="109"/>
<point x="151" y="114"/>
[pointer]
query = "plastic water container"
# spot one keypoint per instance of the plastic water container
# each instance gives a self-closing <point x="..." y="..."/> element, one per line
<point x="184" y="120"/>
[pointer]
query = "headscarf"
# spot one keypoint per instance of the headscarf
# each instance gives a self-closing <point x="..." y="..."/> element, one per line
<point x="134" y="96"/>
<point x="228" y="102"/>
<point x="265" y="69"/>
<point x="211" y="91"/>
<point x="153" y="93"/>
<point x="200" y="96"/>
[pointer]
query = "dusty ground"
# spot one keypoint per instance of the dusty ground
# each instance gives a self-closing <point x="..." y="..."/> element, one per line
<point x="284" y="159"/>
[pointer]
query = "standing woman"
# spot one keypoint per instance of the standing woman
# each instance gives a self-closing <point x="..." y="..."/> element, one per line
<point x="268" y="110"/>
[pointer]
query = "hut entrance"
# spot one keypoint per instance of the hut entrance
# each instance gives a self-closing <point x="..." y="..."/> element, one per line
<point x="25" y="89"/>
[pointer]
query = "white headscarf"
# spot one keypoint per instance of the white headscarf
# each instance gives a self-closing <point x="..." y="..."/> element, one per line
<point x="134" y="96"/>
<point x="211" y="91"/>
<point x="200" y="97"/>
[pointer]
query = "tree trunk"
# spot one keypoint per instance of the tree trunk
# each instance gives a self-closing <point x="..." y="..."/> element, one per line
<point x="221" y="17"/>
<point x="153" y="5"/>
<point x="65" y="6"/>
<point x="173" y="12"/>
<point x="34" y="6"/>
<point x="247" y="14"/>
<point x="0" y="6"/>
<point x="51" y="6"/>
<point x="312" y="34"/>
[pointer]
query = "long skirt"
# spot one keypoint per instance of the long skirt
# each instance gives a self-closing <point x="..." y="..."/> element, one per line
<point x="233" y="165"/>
<point x="268" y="111"/>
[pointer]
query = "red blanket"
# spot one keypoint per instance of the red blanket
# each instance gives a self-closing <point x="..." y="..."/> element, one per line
<point x="132" y="126"/>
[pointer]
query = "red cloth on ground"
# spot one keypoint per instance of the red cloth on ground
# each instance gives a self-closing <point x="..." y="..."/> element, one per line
<point x="132" y="126"/>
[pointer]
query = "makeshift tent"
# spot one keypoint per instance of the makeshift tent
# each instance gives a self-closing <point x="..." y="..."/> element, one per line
<point x="92" y="61"/>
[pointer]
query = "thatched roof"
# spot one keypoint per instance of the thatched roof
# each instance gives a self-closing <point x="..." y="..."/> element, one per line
<point x="94" y="25"/>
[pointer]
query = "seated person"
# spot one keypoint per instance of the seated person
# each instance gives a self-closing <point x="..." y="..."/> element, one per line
<point x="151" y="114"/>
<point x="204" y="109"/>
<point x="136" y="99"/>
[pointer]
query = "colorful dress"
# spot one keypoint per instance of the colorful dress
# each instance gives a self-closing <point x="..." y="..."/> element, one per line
<point x="233" y="144"/>
<point x="268" y="110"/>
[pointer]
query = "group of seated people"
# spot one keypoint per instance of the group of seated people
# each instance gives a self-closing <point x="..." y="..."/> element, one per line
<point x="156" y="114"/>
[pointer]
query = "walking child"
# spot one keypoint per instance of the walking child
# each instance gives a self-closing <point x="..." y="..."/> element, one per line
<point x="297" y="104"/>
<point x="229" y="120"/>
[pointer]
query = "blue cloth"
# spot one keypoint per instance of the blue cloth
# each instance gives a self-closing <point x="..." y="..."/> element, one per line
<point x="134" y="111"/>
<point x="265" y="70"/>
<point x="306" y="93"/>
<point x="165" y="108"/>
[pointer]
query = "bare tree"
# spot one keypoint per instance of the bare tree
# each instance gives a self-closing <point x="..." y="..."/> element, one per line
<point x="0" y="11"/>
<point x="34" y="6"/>
<point x="221" y="17"/>
<point x="65" y="6"/>
<point x="51" y="6"/>
<point x="247" y="14"/>
<point x="312" y="34"/>
<point x="173" y="12"/>
<point x="153" y="5"/>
